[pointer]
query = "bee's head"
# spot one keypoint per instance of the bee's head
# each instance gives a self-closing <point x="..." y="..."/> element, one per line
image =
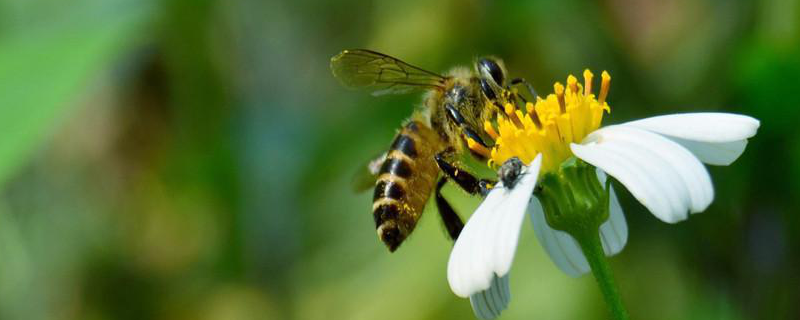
<point x="491" y="69"/>
<point x="491" y="76"/>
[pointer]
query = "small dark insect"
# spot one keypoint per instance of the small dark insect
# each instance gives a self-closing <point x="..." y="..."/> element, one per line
<point x="510" y="171"/>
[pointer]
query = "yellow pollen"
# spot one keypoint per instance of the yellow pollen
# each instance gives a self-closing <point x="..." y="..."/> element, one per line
<point x="559" y="89"/>
<point x="572" y="83"/>
<point x="547" y="126"/>
<point x="587" y="82"/>
<point x="487" y="126"/>
<point x="533" y="115"/>
<point x="512" y="114"/>
<point x="604" y="85"/>
<point x="529" y="107"/>
<point x="508" y="108"/>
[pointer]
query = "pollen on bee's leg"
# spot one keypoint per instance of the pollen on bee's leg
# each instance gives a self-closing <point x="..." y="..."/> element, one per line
<point x="587" y="82"/>
<point x="478" y="148"/>
<point x="562" y="104"/>
<point x="604" y="85"/>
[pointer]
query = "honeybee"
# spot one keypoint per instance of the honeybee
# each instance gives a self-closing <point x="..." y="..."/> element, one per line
<point x="454" y="109"/>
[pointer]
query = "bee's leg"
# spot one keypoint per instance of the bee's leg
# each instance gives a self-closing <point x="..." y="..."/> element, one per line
<point x="464" y="179"/>
<point x="531" y="91"/>
<point x="527" y="85"/>
<point x="490" y="93"/>
<point x="517" y="96"/>
<point x="452" y="222"/>
<point x="474" y="136"/>
<point x="458" y="119"/>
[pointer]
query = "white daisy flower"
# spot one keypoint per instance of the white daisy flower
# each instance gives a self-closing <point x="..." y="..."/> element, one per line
<point x="659" y="160"/>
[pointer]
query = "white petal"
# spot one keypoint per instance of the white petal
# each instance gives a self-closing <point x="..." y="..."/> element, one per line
<point x="485" y="248"/>
<point x="718" y="154"/>
<point x="704" y="126"/>
<point x="559" y="245"/>
<point x="488" y="303"/>
<point x="564" y="250"/>
<point x="665" y="177"/>
<point x="613" y="232"/>
<point x="715" y="138"/>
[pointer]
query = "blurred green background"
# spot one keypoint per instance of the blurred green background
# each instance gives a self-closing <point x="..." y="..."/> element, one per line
<point x="186" y="159"/>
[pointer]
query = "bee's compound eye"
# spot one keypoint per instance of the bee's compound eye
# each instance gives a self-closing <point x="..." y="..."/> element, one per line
<point x="491" y="68"/>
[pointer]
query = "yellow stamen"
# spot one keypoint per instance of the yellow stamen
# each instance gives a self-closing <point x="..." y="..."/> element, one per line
<point x="489" y="128"/>
<point x="512" y="114"/>
<point x="547" y="126"/>
<point x="478" y="148"/>
<point x="533" y="115"/>
<point x="604" y="85"/>
<point x="572" y="83"/>
<point x="587" y="82"/>
<point x="509" y="109"/>
<point x="559" y="89"/>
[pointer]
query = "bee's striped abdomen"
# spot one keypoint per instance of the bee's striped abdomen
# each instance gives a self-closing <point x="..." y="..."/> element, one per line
<point x="405" y="181"/>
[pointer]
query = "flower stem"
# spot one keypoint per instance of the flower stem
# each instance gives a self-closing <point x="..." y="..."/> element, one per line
<point x="593" y="250"/>
<point x="575" y="202"/>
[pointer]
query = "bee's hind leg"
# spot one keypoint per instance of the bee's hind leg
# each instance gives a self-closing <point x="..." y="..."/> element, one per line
<point x="452" y="222"/>
<point x="465" y="181"/>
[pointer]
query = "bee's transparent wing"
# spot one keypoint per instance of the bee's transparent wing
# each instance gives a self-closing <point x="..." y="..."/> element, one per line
<point x="369" y="69"/>
<point x="366" y="174"/>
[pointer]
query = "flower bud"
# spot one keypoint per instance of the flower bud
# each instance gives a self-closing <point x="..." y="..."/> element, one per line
<point x="573" y="198"/>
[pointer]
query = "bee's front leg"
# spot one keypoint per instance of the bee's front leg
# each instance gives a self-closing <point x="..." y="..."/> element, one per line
<point x="527" y="85"/>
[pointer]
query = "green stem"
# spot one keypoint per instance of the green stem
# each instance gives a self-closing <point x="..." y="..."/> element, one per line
<point x="575" y="202"/>
<point x="593" y="250"/>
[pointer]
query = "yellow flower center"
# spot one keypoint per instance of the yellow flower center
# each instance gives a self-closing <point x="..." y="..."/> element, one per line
<point x="549" y="126"/>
